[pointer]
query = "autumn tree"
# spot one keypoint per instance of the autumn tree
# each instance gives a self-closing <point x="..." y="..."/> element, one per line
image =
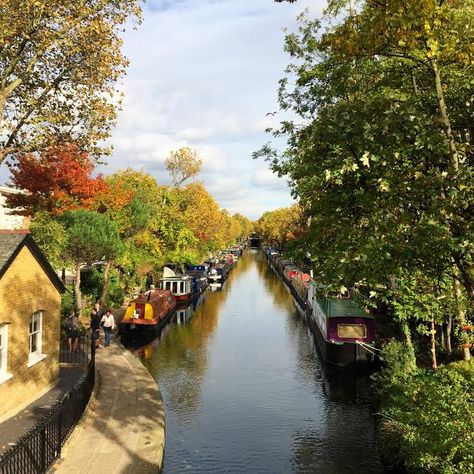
<point x="280" y="226"/>
<point x="59" y="63"/>
<point x="183" y="164"/>
<point x="57" y="180"/>
<point x="245" y="223"/>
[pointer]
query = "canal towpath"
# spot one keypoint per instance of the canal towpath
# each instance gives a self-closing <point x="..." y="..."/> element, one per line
<point x="122" y="429"/>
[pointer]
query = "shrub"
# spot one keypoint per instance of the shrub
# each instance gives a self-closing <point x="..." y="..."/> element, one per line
<point x="427" y="418"/>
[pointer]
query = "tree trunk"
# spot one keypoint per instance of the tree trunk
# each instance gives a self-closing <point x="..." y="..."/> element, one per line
<point x="444" y="116"/>
<point x="434" y="362"/>
<point x="449" y="330"/>
<point x="77" y="289"/>
<point x="467" y="280"/>
<point x="410" y="348"/>
<point x="105" y="286"/>
<point x="460" y="314"/>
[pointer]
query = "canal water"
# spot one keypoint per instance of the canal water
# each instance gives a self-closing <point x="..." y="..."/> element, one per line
<point x="245" y="390"/>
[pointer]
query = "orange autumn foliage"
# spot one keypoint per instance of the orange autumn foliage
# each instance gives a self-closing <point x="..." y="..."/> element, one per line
<point x="55" y="181"/>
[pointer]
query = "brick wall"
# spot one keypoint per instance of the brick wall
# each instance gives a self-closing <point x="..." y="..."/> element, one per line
<point x="24" y="290"/>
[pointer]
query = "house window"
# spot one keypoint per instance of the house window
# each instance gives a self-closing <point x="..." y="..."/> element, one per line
<point x="4" y="375"/>
<point x="36" y="339"/>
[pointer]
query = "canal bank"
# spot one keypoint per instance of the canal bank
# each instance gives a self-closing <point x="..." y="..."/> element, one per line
<point x="246" y="391"/>
<point x="122" y="429"/>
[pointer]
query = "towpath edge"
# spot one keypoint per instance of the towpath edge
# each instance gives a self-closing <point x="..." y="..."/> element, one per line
<point x="123" y="427"/>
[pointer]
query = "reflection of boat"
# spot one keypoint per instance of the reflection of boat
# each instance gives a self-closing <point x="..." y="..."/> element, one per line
<point x="216" y="286"/>
<point x="181" y="286"/>
<point x="148" y="309"/>
<point x="184" y="311"/>
<point x="184" y="314"/>
<point x="341" y="328"/>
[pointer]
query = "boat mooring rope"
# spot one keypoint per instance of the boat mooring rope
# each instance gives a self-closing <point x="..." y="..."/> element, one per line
<point x="369" y="348"/>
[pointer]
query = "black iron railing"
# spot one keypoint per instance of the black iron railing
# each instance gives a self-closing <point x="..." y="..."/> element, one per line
<point x="36" y="451"/>
<point x="75" y="353"/>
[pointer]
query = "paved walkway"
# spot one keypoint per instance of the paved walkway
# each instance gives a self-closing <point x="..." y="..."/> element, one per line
<point x="16" y="426"/>
<point x="122" y="430"/>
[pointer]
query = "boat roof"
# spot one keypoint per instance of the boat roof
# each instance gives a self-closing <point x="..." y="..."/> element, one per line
<point x="151" y="295"/>
<point x="344" y="308"/>
<point x="176" y="278"/>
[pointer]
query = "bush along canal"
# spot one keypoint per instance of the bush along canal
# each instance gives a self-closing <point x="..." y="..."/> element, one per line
<point x="246" y="391"/>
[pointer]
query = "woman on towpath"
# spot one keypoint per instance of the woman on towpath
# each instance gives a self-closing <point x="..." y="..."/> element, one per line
<point x="108" y="323"/>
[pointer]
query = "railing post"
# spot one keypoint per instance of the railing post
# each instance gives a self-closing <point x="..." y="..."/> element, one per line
<point x="60" y="437"/>
<point x="42" y="461"/>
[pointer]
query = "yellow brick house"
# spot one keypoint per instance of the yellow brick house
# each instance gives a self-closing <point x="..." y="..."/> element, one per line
<point x="30" y="312"/>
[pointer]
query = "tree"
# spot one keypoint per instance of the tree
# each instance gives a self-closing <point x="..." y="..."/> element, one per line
<point x="183" y="164"/>
<point x="50" y="235"/>
<point x="246" y="225"/>
<point x="371" y="161"/>
<point x="280" y="226"/>
<point x="57" y="180"/>
<point x="59" y="62"/>
<point x="90" y="237"/>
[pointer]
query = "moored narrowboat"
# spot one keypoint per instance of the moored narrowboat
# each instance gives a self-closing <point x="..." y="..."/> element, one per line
<point x="343" y="330"/>
<point x="180" y="286"/>
<point x="199" y="281"/>
<point x="149" y="309"/>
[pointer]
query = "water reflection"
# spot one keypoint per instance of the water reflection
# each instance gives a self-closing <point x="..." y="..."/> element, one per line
<point x="245" y="391"/>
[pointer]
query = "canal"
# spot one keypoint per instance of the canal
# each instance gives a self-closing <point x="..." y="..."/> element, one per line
<point x="245" y="391"/>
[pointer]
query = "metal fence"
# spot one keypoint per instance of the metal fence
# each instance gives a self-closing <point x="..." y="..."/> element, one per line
<point x="36" y="451"/>
<point x="79" y="352"/>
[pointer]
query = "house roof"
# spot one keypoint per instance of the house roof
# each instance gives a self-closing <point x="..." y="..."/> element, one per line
<point x="12" y="241"/>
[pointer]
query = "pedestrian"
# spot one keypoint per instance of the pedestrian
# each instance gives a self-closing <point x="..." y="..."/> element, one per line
<point x="95" y="326"/>
<point x="71" y="326"/>
<point x="108" y="323"/>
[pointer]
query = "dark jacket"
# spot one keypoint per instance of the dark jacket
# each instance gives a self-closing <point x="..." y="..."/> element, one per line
<point x="95" y="321"/>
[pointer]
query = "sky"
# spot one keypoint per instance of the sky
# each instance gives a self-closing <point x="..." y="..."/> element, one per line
<point x="204" y="74"/>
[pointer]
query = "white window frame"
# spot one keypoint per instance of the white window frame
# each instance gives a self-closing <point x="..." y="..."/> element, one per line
<point x="37" y="355"/>
<point x="4" y="375"/>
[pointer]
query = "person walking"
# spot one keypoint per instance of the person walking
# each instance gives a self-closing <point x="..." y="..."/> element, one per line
<point x="108" y="323"/>
<point x="95" y="326"/>
<point x="71" y="326"/>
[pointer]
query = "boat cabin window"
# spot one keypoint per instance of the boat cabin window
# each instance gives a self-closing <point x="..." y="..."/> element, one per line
<point x="352" y="331"/>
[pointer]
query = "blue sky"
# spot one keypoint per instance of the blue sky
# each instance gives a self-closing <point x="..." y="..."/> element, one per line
<point x="204" y="74"/>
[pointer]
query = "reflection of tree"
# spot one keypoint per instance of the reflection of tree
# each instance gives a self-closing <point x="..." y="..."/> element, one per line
<point x="179" y="360"/>
<point x="280" y="294"/>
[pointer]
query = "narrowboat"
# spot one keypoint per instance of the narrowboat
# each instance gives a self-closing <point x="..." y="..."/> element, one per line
<point x="299" y="284"/>
<point x="343" y="330"/>
<point x="149" y="309"/>
<point x="218" y="272"/>
<point x="199" y="280"/>
<point x="180" y="285"/>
